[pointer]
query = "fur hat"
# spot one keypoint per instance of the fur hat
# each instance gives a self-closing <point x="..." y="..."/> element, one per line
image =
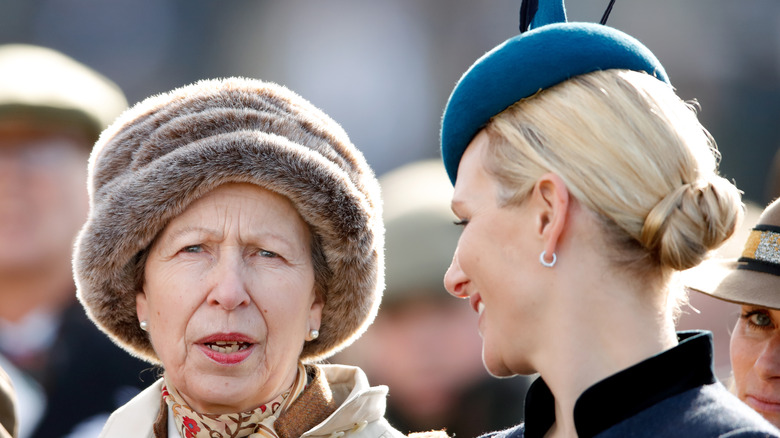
<point x="43" y="83"/>
<point x="753" y="278"/>
<point x="549" y="51"/>
<point x="171" y="149"/>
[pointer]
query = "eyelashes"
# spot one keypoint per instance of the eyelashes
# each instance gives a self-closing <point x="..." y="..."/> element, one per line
<point x="758" y="319"/>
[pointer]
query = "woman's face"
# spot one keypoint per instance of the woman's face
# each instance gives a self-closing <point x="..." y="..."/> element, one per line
<point x="229" y="297"/>
<point x="492" y="265"/>
<point x="755" y="360"/>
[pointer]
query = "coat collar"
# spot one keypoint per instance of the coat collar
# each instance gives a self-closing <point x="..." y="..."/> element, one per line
<point x="358" y="403"/>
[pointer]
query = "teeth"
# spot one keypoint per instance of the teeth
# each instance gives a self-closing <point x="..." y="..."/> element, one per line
<point x="480" y="307"/>
<point x="227" y="347"/>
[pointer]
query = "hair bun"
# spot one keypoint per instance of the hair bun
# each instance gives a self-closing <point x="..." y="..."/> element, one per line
<point x="692" y="220"/>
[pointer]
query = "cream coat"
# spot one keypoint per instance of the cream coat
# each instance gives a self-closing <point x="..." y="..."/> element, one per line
<point x="360" y="413"/>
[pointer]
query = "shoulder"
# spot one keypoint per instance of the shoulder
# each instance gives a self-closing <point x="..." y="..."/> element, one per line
<point x="705" y="411"/>
<point x="429" y="434"/>
<point x="513" y="432"/>
<point x="138" y="414"/>
<point x="720" y="410"/>
<point x="7" y="406"/>
<point x="360" y="407"/>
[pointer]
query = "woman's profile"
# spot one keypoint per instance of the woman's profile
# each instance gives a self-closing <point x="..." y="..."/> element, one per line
<point x="583" y="183"/>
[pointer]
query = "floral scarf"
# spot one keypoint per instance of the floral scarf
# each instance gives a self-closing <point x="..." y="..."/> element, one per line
<point x="257" y="423"/>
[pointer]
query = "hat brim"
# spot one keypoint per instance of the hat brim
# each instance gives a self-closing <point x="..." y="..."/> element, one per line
<point x="724" y="280"/>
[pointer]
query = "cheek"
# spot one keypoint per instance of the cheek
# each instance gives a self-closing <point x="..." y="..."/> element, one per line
<point x="284" y="301"/>
<point x="470" y="249"/>
<point x="743" y="356"/>
<point x="170" y="303"/>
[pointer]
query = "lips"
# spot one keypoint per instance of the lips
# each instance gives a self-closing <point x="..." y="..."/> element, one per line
<point x="476" y="303"/>
<point x="763" y="404"/>
<point x="227" y="348"/>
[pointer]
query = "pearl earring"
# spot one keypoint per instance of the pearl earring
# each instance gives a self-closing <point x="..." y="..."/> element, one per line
<point x="144" y="325"/>
<point x="314" y="334"/>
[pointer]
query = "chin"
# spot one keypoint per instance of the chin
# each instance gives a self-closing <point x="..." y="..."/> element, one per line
<point x="496" y="368"/>
<point x="218" y="395"/>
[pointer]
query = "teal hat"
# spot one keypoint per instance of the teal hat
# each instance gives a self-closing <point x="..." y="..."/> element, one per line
<point x="548" y="51"/>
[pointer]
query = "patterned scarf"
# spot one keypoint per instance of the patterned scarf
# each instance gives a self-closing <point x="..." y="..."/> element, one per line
<point x="257" y="423"/>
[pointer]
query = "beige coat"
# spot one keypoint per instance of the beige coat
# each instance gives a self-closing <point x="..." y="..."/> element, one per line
<point x="360" y="413"/>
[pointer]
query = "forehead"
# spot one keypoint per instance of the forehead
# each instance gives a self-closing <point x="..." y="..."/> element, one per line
<point x="473" y="180"/>
<point x="247" y="206"/>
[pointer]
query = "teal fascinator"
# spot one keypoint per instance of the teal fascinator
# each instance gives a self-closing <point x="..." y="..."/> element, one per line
<point x="548" y="51"/>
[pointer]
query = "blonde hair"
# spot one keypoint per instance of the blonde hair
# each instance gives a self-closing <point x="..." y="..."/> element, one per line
<point x="632" y="152"/>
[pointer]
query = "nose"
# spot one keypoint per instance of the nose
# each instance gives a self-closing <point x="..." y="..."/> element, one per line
<point x="455" y="280"/>
<point x="767" y="365"/>
<point x="229" y="286"/>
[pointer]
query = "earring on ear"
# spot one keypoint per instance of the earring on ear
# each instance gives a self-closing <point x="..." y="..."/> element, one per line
<point x="144" y="325"/>
<point x="314" y="334"/>
<point x="545" y="263"/>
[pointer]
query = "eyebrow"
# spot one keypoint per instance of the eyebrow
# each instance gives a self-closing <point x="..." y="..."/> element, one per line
<point x="189" y="230"/>
<point x="212" y="232"/>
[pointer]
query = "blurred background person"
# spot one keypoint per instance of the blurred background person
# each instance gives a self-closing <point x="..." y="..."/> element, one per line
<point x="423" y="344"/>
<point x="65" y="371"/>
<point x="752" y="282"/>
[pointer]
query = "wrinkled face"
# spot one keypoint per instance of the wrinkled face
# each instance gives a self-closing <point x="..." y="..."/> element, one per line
<point x="43" y="200"/>
<point x="755" y="360"/>
<point x="229" y="297"/>
<point x="492" y="265"/>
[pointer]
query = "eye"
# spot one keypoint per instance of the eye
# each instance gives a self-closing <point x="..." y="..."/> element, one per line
<point x="192" y="249"/>
<point x="268" y="254"/>
<point x="758" y="319"/>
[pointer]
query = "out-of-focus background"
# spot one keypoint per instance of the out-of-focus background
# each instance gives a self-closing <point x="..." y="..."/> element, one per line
<point x="384" y="69"/>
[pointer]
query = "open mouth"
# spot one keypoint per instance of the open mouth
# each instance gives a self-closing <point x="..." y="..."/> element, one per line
<point x="227" y="347"/>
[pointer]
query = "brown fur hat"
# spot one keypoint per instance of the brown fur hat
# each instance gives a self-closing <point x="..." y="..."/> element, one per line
<point x="171" y="149"/>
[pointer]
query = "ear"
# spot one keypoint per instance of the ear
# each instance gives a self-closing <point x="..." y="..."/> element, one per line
<point x="141" y="306"/>
<point x="315" y="313"/>
<point x="552" y="198"/>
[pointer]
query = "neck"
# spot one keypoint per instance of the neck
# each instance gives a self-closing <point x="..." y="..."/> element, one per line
<point x="598" y="330"/>
<point x="26" y="290"/>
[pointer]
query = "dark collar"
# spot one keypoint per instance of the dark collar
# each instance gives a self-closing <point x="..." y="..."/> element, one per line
<point x="625" y="394"/>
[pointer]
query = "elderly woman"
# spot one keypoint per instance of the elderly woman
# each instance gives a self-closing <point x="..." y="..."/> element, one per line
<point x="582" y="183"/>
<point x="752" y="282"/>
<point x="234" y="238"/>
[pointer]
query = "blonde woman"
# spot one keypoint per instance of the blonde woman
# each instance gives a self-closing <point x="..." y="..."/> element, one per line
<point x="582" y="183"/>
